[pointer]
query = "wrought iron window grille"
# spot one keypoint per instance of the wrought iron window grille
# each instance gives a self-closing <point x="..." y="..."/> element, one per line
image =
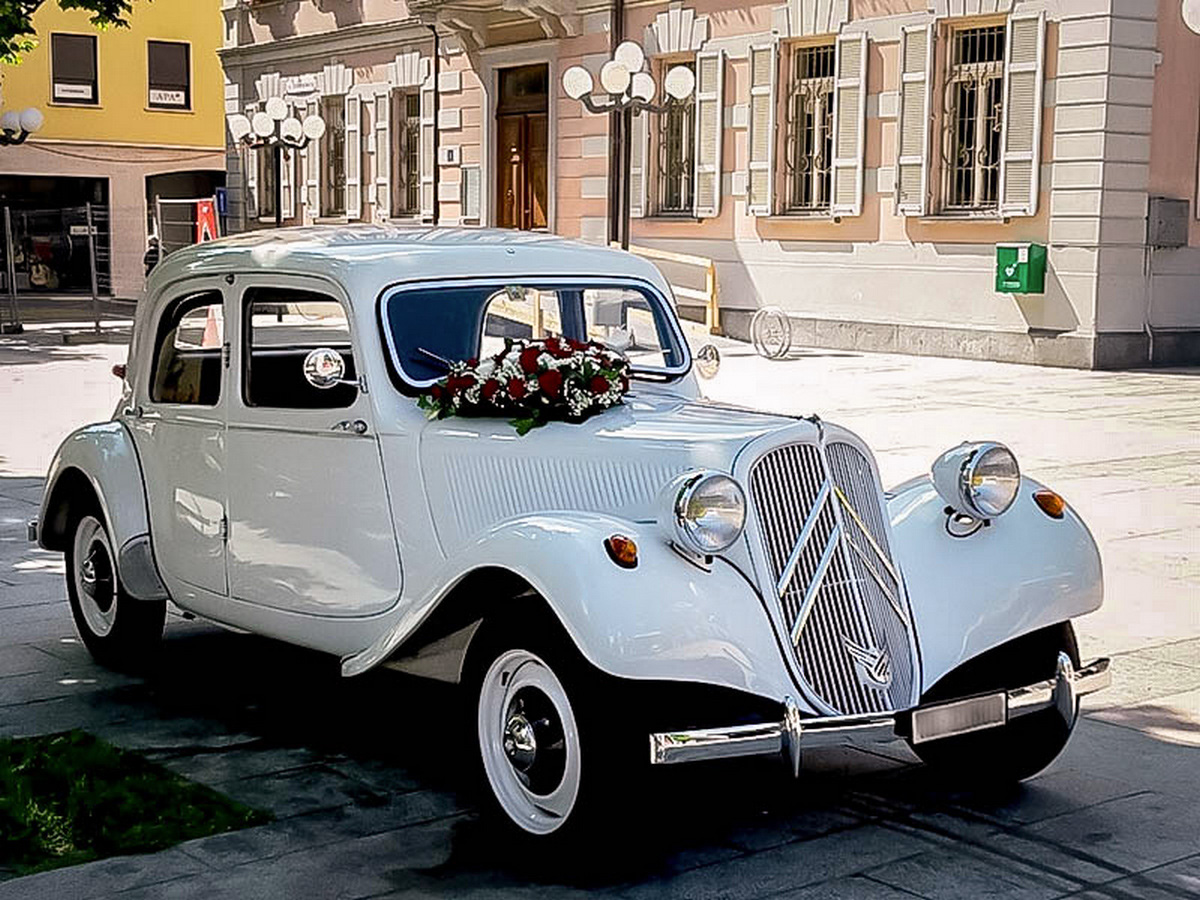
<point x="972" y="119"/>
<point x="808" y="152"/>
<point x="406" y="138"/>
<point x="676" y="155"/>
<point x="333" y="201"/>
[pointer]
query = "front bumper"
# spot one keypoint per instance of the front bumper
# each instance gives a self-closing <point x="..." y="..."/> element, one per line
<point x="924" y="723"/>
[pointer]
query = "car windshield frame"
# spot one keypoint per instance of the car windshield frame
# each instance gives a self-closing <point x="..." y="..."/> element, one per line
<point x="498" y="283"/>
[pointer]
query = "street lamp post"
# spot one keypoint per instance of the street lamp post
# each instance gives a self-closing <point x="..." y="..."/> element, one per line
<point x="16" y="126"/>
<point x="276" y="129"/>
<point x="628" y="91"/>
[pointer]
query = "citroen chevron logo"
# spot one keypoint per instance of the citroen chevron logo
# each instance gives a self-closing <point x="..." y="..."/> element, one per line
<point x="874" y="666"/>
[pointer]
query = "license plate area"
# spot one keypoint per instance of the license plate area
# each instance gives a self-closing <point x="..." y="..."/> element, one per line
<point x="959" y="717"/>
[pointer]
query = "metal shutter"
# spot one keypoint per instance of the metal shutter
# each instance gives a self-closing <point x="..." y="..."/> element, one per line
<point x="427" y="162"/>
<point x="638" y="152"/>
<point x="311" y="155"/>
<point x="383" y="155"/>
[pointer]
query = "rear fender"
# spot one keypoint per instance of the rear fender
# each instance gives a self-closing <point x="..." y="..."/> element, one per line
<point x="102" y="457"/>
<point x="1022" y="572"/>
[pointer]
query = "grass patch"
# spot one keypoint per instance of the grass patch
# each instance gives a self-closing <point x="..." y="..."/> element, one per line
<point x="70" y="798"/>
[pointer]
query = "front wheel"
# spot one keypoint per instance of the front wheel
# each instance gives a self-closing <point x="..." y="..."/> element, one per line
<point x="119" y="631"/>
<point x="554" y="762"/>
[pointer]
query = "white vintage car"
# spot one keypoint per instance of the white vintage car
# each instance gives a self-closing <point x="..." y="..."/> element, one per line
<point x="670" y="580"/>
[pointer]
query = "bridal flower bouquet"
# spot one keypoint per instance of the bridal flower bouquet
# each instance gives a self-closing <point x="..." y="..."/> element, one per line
<point x="533" y="382"/>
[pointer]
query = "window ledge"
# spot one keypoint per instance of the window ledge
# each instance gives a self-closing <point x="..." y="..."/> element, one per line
<point x="990" y="217"/>
<point x="823" y="216"/>
<point x="672" y="217"/>
<point x="171" y="109"/>
<point x="331" y="220"/>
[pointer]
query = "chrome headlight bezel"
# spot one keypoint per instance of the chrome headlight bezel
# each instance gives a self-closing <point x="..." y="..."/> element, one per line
<point x="957" y="475"/>
<point x="681" y="499"/>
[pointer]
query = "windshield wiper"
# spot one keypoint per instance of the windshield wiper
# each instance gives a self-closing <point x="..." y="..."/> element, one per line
<point x="445" y="362"/>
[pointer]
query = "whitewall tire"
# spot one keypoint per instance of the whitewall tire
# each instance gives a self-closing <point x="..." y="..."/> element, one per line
<point x="529" y="742"/>
<point x="119" y="631"/>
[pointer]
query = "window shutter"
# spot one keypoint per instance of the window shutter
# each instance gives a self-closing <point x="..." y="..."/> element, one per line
<point x="760" y="190"/>
<point x="250" y="167"/>
<point x="383" y="155"/>
<point x="638" y="152"/>
<point x="287" y="166"/>
<point x="353" y="156"/>
<point x="312" y="169"/>
<point x="427" y="162"/>
<point x="1024" y="61"/>
<point x="912" y="163"/>
<point x="849" y="120"/>
<point x="710" y="100"/>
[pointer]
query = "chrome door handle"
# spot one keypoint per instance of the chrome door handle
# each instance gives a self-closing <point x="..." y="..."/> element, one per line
<point x="356" y="426"/>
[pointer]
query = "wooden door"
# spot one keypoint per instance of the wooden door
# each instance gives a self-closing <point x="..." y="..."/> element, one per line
<point x="522" y="148"/>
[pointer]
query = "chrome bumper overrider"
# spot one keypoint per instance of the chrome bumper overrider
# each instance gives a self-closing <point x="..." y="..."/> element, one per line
<point x="925" y="723"/>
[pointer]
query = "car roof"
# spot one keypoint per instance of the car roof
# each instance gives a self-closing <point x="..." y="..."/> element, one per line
<point x="369" y="257"/>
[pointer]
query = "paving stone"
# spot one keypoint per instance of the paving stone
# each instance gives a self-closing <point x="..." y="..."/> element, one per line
<point x="856" y="887"/>
<point x="1181" y="653"/>
<point x="23" y="660"/>
<point x="1174" y="718"/>
<point x="302" y="791"/>
<point x="1135" y="833"/>
<point x="790" y="866"/>
<point x="102" y="877"/>
<point x="948" y="874"/>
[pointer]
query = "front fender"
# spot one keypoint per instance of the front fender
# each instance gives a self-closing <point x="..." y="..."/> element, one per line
<point x="667" y="619"/>
<point x="970" y="594"/>
<point x="104" y="456"/>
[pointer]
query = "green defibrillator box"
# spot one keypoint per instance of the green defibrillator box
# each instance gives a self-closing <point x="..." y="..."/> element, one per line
<point x="1021" y="268"/>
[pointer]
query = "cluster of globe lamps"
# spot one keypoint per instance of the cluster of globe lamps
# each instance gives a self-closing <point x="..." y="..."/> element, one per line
<point x="16" y="126"/>
<point x="260" y="131"/>
<point x="626" y="85"/>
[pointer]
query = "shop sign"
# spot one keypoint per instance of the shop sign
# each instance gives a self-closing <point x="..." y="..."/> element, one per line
<point x="72" y="91"/>
<point x="160" y="97"/>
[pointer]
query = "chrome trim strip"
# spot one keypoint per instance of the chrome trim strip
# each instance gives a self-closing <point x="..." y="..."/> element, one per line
<point x="810" y="523"/>
<point x="875" y="576"/>
<point x="867" y="534"/>
<point x="794" y="732"/>
<point x="810" y="595"/>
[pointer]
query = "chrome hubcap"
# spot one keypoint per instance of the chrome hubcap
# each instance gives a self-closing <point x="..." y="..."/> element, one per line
<point x="96" y="579"/>
<point x="520" y="743"/>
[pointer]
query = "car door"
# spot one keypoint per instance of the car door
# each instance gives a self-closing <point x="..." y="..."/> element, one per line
<point x="310" y="527"/>
<point x="178" y="426"/>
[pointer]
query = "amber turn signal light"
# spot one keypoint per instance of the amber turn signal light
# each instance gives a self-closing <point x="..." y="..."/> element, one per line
<point x="622" y="551"/>
<point x="1051" y="503"/>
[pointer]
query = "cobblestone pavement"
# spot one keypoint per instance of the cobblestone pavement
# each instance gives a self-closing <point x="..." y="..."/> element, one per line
<point x="367" y="778"/>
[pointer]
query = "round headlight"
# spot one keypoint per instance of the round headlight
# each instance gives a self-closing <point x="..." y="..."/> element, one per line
<point x="990" y="480"/>
<point x="980" y="480"/>
<point x="706" y="512"/>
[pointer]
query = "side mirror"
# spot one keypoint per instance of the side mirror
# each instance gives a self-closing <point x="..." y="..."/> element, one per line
<point x="708" y="361"/>
<point x="324" y="368"/>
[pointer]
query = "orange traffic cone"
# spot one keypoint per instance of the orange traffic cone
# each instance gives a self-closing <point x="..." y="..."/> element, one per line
<point x="212" y="330"/>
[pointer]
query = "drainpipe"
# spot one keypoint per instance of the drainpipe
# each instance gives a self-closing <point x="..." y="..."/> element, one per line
<point x="437" y="46"/>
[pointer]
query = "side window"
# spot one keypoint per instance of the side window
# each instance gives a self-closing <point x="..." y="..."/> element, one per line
<point x="282" y="328"/>
<point x="187" y="352"/>
<point x="519" y="313"/>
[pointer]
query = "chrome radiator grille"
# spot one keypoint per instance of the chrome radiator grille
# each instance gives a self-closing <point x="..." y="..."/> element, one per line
<point x="830" y="567"/>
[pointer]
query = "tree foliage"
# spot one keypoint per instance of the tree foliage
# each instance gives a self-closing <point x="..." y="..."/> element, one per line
<point x="16" y="21"/>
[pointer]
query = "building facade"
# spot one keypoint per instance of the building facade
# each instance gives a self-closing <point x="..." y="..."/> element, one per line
<point x="858" y="163"/>
<point x="131" y="115"/>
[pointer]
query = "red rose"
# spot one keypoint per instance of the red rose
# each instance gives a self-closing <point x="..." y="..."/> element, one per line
<point x="488" y="391"/>
<point x="551" y="382"/>
<point x="576" y="345"/>
<point x="458" y="383"/>
<point x="437" y="392"/>
<point x="599" y="384"/>
<point x="529" y="359"/>
<point x="552" y="346"/>
<point x="472" y="363"/>
<point x="516" y="388"/>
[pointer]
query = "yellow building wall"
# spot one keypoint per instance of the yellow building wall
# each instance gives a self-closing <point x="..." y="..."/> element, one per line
<point x="122" y="115"/>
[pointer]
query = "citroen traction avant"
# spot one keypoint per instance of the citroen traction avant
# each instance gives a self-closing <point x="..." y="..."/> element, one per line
<point x="671" y="580"/>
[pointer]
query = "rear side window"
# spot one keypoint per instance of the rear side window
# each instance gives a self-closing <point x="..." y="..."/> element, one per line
<point x="187" y="351"/>
<point x="282" y="328"/>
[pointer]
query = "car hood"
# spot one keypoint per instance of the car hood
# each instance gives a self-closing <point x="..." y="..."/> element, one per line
<point x="479" y="472"/>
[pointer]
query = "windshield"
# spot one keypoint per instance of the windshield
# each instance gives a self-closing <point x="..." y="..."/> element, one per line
<point x="430" y="326"/>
